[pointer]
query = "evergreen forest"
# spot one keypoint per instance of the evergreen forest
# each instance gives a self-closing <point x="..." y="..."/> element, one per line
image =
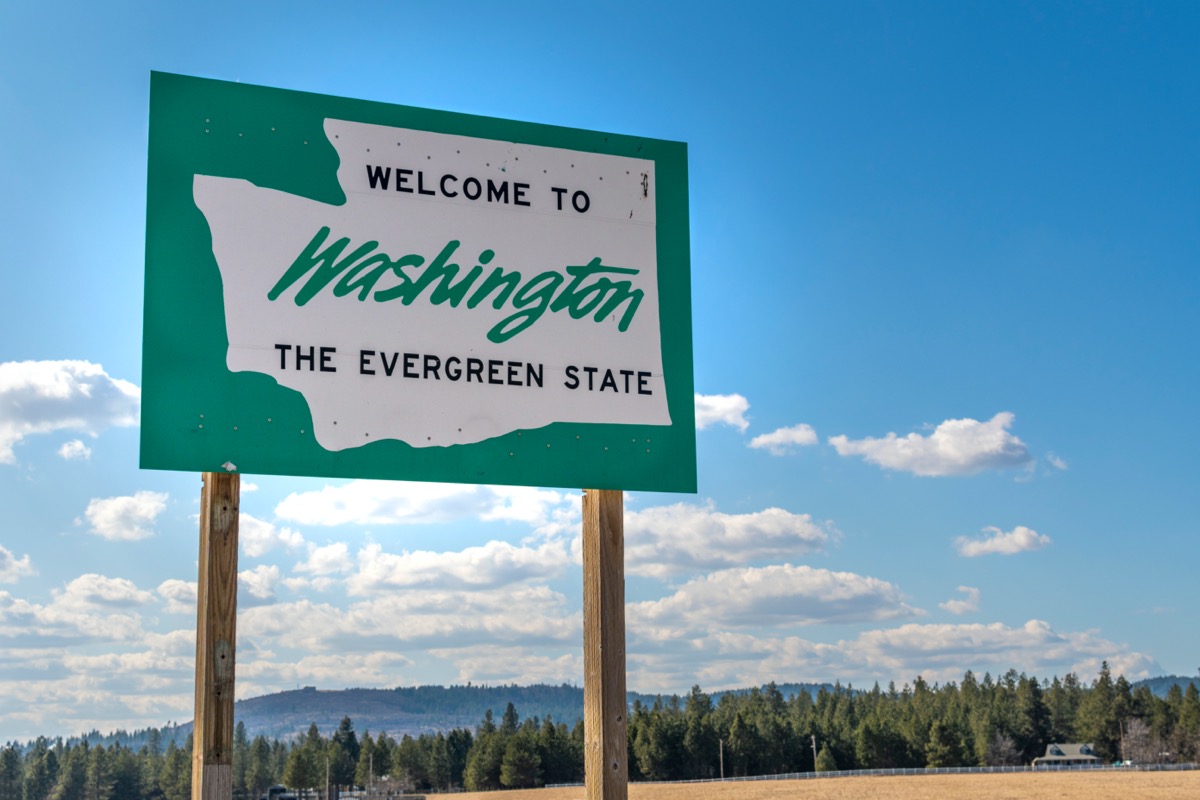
<point x="1004" y="721"/>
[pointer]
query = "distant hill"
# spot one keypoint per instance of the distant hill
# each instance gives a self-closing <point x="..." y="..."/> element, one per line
<point x="1160" y="686"/>
<point x="419" y="709"/>
<point x="407" y="709"/>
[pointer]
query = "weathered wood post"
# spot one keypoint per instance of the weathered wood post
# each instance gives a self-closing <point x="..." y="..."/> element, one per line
<point x="604" y="707"/>
<point x="216" y="633"/>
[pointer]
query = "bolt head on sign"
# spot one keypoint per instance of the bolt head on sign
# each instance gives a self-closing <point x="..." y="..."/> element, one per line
<point x="344" y="288"/>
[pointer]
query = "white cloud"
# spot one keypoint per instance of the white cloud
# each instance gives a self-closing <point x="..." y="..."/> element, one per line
<point x="125" y="518"/>
<point x="259" y="537"/>
<point x="956" y="447"/>
<point x="12" y="568"/>
<point x="38" y="397"/>
<point x="318" y="584"/>
<point x="667" y="540"/>
<point x="147" y="681"/>
<point x="948" y="649"/>
<point x="260" y="582"/>
<point x="722" y="409"/>
<point x="1019" y="540"/>
<point x="74" y="450"/>
<point x="332" y="559"/>
<point x="964" y="605"/>
<point x="500" y="665"/>
<point x="91" y="590"/>
<point x="364" y="502"/>
<point x="776" y="596"/>
<point x="727" y="659"/>
<point x="246" y="486"/>
<point x="785" y="440"/>
<point x="180" y="595"/>
<point x="1055" y="461"/>
<point x="259" y="676"/>
<point x="493" y="564"/>
<point x="90" y="608"/>
<point x="523" y="614"/>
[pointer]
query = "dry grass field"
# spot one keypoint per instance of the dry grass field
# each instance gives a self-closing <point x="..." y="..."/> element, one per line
<point x="1007" y="786"/>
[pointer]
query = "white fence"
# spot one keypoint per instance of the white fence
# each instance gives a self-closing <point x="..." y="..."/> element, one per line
<point x="848" y="773"/>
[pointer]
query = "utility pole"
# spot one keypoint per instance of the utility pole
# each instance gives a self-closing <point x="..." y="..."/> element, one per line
<point x="813" y="736"/>
<point x="721" y="743"/>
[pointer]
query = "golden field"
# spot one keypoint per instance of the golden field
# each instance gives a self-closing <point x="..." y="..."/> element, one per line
<point x="999" y="786"/>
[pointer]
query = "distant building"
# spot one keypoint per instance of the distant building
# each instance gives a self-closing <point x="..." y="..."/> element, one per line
<point x="1067" y="755"/>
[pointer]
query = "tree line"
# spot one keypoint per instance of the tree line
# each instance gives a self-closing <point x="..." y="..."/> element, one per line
<point x="1008" y="720"/>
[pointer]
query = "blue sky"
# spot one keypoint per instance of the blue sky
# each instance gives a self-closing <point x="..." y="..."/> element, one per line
<point x="944" y="259"/>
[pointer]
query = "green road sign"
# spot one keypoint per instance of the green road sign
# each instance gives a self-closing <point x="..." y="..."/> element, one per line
<point x="344" y="288"/>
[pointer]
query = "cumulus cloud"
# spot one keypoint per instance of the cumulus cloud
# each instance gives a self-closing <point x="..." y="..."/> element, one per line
<point x="38" y="397"/>
<point x="364" y="502"/>
<point x="527" y="615"/>
<point x="99" y="591"/>
<point x="996" y="542"/>
<point x="12" y="568"/>
<point x="180" y="596"/>
<point x="956" y="447"/>
<point x="722" y="409"/>
<point x="258" y="537"/>
<point x="125" y="518"/>
<point x="776" y="596"/>
<point x="667" y="540"/>
<point x="331" y="559"/>
<point x="261" y="581"/>
<point x="74" y="450"/>
<point x="258" y="676"/>
<point x="493" y="564"/>
<point x="963" y="605"/>
<point x="127" y="687"/>
<point x="500" y="665"/>
<point x="1034" y="646"/>
<point x="726" y="659"/>
<point x="785" y="440"/>
<point x="90" y="608"/>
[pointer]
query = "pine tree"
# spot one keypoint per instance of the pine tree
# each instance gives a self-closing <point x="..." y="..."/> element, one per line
<point x="98" y="777"/>
<point x="458" y="745"/>
<point x="943" y="747"/>
<point x="1032" y="724"/>
<point x="10" y="774"/>
<point x="241" y="756"/>
<point x="305" y="767"/>
<point x="41" y="771"/>
<point x="1097" y="722"/>
<point x="510" y="720"/>
<point x="520" y="766"/>
<point x="482" y="771"/>
<point x="825" y="760"/>
<point x="260" y="772"/>
<point x="364" y="770"/>
<point x="126" y="773"/>
<point x="72" y="774"/>
<point x="385" y="747"/>
<point x="411" y="762"/>
<point x="343" y="752"/>
<point x="175" y="779"/>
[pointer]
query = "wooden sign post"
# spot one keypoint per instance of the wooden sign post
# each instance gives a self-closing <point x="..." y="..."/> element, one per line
<point x="606" y="767"/>
<point x="216" y="632"/>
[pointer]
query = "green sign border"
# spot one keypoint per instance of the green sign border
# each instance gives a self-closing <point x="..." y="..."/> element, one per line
<point x="198" y="416"/>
